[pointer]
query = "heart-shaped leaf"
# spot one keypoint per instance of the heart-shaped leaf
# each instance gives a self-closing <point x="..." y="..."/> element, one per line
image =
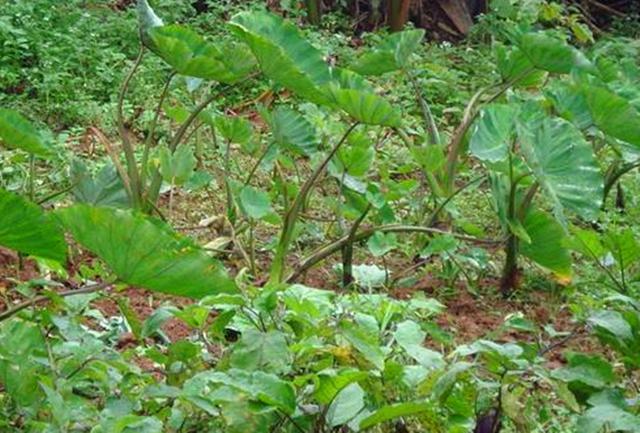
<point x="293" y="131"/>
<point x="189" y="54"/>
<point x="546" y="246"/>
<point x="366" y="107"/>
<point x="493" y="132"/>
<point x="16" y="132"/>
<point x="24" y="227"/>
<point x="564" y="164"/>
<point x="144" y="253"/>
<point x="283" y="54"/>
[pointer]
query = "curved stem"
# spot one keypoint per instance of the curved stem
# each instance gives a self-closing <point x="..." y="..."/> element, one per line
<point x="263" y="155"/>
<point x="470" y="113"/>
<point x="440" y="208"/>
<point x="327" y="250"/>
<point x="152" y="129"/>
<point x="347" y="250"/>
<point x="156" y="181"/>
<point x="290" y="219"/>
<point x="127" y="146"/>
<point x="427" y="115"/>
<point x="88" y="289"/>
<point x="615" y="176"/>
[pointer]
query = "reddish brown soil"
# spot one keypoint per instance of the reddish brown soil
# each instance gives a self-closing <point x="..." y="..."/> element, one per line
<point x="143" y="303"/>
<point x="467" y="317"/>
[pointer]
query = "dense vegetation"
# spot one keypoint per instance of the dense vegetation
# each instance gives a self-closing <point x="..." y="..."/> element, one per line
<point x="227" y="220"/>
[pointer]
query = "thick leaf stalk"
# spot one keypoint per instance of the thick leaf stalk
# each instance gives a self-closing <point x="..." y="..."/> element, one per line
<point x="291" y="217"/>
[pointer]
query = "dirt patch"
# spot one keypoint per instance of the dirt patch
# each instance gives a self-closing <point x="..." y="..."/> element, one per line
<point x="144" y="303"/>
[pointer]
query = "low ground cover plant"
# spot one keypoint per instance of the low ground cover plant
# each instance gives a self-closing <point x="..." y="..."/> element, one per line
<point x="345" y="163"/>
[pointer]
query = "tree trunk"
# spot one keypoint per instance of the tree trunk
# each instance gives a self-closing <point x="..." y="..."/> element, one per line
<point x="398" y="14"/>
<point x="314" y="11"/>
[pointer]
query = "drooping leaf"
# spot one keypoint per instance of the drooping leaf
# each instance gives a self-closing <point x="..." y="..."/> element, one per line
<point x="366" y="107"/>
<point x="613" y="114"/>
<point x="16" y="132"/>
<point x="354" y="159"/>
<point x="24" y="227"/>
<point x="388" y="413"/>
<point x="293" y="131"/>
<point x="143" y="253"/>
<point x="612" y="322"/>
<point x="563" y="162"/>
<point x="493" y="132"/>
<point x="547" y="246"/>
<point x="551" y="54"/>
<point x="515" y="66"/>
<point x="176" y="167"/>
<point x="571" y="104"/>
<point x="189" y="54"/>
<point x="283" y="54"/>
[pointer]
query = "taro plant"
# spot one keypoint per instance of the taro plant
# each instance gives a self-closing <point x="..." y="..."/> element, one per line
<point x="531" y="149"/>
<point x="290" y="61"/>
<point x="24" y="227"/>
<point x="190" y="56"/>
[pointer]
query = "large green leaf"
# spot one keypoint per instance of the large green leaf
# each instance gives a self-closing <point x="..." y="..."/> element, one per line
<point x="593" y="371"/>
<point x="515" y="66"/>
<point x="391" y="54"/>
<point x="189" y="54"/>
<point x="283" y="54"/>
<point x="143" y="253"/>
<point x="546" y="247"/>
<point x="624" y="248"/>
<point x="293" y="131"/>
<point x="366" y="107"/>
<point x="564" y="164"/>
<point x="16" y="132"/>
<point x="571" y="104"/>
<point x="493" y="132"/>
<point x="551" y="54"/>
<point x="331" y="382"/>
<point x="613" y="114"/>
<point x="24" y="227"/>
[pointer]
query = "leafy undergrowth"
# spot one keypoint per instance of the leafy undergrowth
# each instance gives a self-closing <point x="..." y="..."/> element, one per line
<point x="243" y="224"/>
